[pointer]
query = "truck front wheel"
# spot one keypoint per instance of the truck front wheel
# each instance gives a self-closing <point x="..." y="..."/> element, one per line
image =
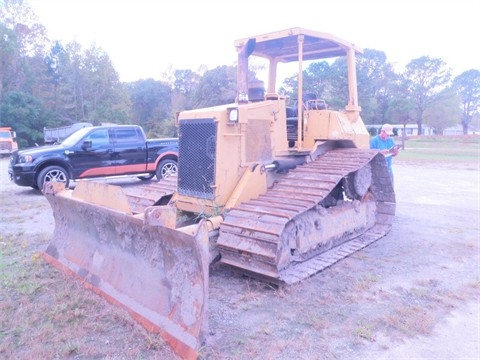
<point x="166" y="168"/>
<point x="53" y="173"/>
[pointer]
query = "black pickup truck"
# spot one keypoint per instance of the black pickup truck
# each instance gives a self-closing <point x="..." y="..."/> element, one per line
<point x="96" y="151"/>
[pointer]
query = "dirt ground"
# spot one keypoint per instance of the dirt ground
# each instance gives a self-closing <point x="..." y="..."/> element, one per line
<point x="413" y="294"/>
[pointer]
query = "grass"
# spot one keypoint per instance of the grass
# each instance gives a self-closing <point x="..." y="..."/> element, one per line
<point x="45" y="314"/>
<point x="465" y="149"/>
<point x="366" y="332"/>
<point x="410" y="320"/>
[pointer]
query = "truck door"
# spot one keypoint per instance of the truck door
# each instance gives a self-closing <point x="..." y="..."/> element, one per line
<point x="93" y="155"/>
<point x="130" y="151"/>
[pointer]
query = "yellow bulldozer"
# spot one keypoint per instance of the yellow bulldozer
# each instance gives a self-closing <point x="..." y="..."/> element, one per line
<point x="277" y="190"/>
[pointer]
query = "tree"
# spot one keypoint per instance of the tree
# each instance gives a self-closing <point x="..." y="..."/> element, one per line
<point x="443" y="111"/>
<point x="69" y="106"/>
<point x="151" y="104"/>
<point x="316" y="80"/>
<point x="26" y="115"/>
<point x="184" y="86"/>
<point x="105" y="97"/>
<point x="475" y="122"/>
<point x="27" y="40"/>
<point x="423" y="79"/>
<point x="17" y="16"/>
<point x="467" y="85"/>
<point x="375" y="79"/>
<point x="377" y="82"/>
<point x="400" y="111"/>
<point x="53" y="61"/>
<point x="216" y="87"/>
<point x="8" y="55"/>
<point x="84" y="86"/>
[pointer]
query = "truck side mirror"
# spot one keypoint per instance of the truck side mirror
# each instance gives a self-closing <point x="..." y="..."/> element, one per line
<point x="87" y="144"/>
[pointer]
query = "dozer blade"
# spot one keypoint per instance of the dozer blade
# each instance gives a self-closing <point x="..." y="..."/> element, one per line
<point x="159" y="274"/>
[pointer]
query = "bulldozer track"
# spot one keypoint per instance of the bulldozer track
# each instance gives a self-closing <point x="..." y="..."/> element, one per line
<point x="250" y="235"/>
<point x="142" y="196"/>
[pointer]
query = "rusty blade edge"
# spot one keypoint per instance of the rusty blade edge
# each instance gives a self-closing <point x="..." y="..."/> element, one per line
<point x="184" y="346"/>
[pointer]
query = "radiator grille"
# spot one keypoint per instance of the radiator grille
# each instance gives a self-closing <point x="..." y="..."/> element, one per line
<point x="196" y="163"/>
<point x="5" y="146"/>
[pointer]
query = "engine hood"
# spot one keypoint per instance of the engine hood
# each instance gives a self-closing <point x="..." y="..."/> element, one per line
<point x="41" y="150"/>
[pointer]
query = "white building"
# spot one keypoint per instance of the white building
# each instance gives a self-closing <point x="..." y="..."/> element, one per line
<point x="410" y="129"/>
<point x="458" y="130"/>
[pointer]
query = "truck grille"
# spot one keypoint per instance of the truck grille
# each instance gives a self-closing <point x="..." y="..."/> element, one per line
<point x="5" y="146"/>
<point x="196" y="164"/>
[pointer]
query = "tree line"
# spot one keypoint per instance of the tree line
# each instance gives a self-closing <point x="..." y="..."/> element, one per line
<point x="45" y="83"/>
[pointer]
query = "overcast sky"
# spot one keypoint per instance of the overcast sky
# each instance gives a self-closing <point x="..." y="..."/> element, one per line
<point x="143" y="38"/>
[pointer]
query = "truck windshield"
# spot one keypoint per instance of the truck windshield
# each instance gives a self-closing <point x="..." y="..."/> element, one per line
<point x="5" y="135"/>
<point x="76" y="136"/>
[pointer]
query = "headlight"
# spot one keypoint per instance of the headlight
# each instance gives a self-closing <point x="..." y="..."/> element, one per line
<point x="232" y="115"/>
<point x="25" y="159"/>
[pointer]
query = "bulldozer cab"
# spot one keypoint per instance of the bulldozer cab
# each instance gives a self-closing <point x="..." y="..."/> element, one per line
<point x="298" y="45"/>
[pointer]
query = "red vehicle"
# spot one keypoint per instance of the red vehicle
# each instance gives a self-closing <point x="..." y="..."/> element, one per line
<point x="7" y="141"/>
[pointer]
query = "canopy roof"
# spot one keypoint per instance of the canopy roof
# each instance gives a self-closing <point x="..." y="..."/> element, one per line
<point x="283" y="45"/>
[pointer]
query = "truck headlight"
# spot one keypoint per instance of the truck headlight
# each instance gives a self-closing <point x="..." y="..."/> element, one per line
<point x="25" y="159"/>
